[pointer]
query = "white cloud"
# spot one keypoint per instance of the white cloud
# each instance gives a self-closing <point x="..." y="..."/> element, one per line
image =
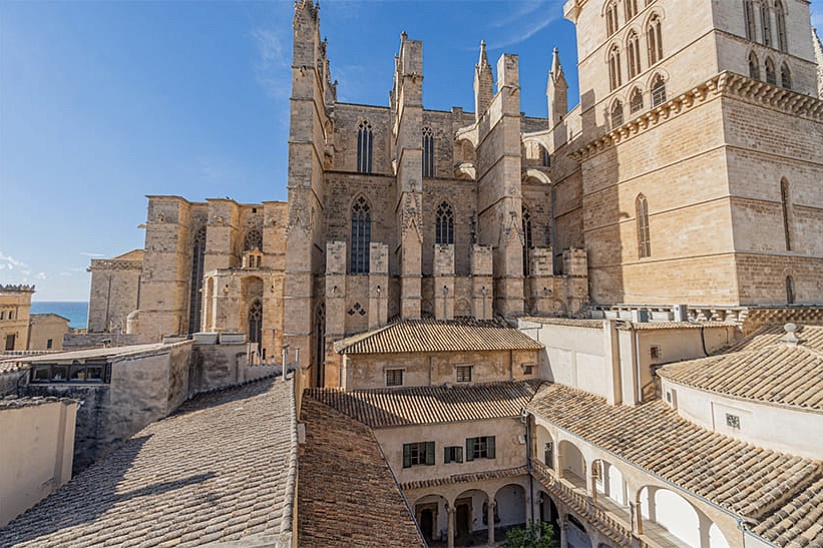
<point x="91" y="254"/>
<point x="272" y="64"/>
<point x="41" y="275"/>
<point x="10" y="263"/>
<point x="525" y="33"/>
<point x="525" y="9"/>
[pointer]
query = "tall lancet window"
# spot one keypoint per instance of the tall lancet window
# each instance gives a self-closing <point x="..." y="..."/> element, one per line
<point x="527" y="239"/>
<point x="748" y="19"/>
<point x="198" y="252"/>
<point x="633" y="53"/>
<point x="256" y="322"/>
<point x="444" y="227"/>
<point x="631" y="8"/>
<point x="364" y="147"/>
<point x="360" y="236"/>
<point x="615" y="79"/>
<point x="754" y="66"/>
<point x="780" y="24"/>
<point x="644" y="244"/>
<point x="785" y="76"/>
<point x="636" y="100"/>
<point x="658" y="91"/>
<point x="617" y="114"/>
<point x="789" y="290"/>
<point x="428" y="152"/>
<point x="771" y="74"/>
<point x="654" y="37"/>
<point x="766" y="23"/>
<point x="611" y="18"/>
<point x="784" y="202"/>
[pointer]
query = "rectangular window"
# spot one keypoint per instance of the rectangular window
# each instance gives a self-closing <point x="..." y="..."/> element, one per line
<point x="452" y="454"/>
<point x="394" y="377"/>
<point x="49" y="344"/>
<point x="93" y="371"/>
<point x="654" y="352"/>
<point x="480" y="448"/>
<point x="528" y="368"/>
<point x="419" y="453"/>
<point x="463" y="373"/>
<point x="2" y="315"/>
<point x="10" y="341"/>
<point x="733" y="421"/>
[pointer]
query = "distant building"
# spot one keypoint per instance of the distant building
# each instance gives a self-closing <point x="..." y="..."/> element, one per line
<point x="15" y="306"/>
<point x="46" y="331"/>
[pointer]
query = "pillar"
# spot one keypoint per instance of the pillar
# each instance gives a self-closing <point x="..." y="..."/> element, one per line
<point x="378" y="285"/>
<point x="564" y="536"/>
<point x="450" y="535"/>
<point x="335" y="309"/>
<point x="444" y="281"/>
<point x="492" y="506"/>
<point x="482" y="282"/>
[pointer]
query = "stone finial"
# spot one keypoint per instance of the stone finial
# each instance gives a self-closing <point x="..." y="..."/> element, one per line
<point x="483" y="83"/>
<point x="791" y="339"/>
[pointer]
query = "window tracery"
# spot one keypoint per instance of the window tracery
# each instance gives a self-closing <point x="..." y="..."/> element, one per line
<point x="655" y="39"/>
<point x="364" y="147"/>
<point x="636" y="100"/>
<point x="360" y="236"/>
<point x="633" y="54"/>
<point x="444" y="225"/>
<point x="658" y="91"/>
<point x="615" y="79"/>
<point x="428" y="152"/>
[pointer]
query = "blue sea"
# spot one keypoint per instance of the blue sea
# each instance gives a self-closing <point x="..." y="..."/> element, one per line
<point x="76" y="311"/>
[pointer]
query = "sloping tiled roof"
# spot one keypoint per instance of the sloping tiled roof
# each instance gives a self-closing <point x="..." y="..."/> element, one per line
<point x="754" y="483"/>
<point x="437" y="336"/>
<point x="386" y="407"/>
<point x="222" y="469"/>
<point x="348" y="495"/>
<point x="762" y="369"/>
<point x="769" y="335"/>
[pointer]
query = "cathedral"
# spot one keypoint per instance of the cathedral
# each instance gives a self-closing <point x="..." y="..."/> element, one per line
<point x="687" y="178"/>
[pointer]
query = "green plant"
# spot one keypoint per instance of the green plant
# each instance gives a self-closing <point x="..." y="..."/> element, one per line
<point x="533" y="535"/>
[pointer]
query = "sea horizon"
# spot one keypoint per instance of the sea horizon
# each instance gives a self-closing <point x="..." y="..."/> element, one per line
<point x="77" y="312"/>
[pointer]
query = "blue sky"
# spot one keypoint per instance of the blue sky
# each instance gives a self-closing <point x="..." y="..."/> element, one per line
<point x="102" y="103"/>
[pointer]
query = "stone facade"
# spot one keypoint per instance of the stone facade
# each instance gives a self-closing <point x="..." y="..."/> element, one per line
<point x="47" y="331"/>
<point x="15" y="306"/>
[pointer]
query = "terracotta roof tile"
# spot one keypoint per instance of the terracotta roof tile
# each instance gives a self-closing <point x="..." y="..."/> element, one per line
<point x="467" y="478"/>
<point x="387" y="407"/>
<point x="754" y="483"/>
<point x="348" y="495"/>
<point x="222" y="469"/>
<point x="437" y="336"/>
<point x="761" y="368"/>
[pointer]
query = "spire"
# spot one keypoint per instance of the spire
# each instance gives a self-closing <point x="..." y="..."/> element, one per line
<point x="483" y="83"/>
<point x="557" y="90"/>
<point x="818" y="56"/>
<point x="556" y="72"/>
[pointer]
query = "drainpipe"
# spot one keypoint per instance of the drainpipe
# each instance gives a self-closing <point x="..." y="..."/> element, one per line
<point x="637" y="382"/>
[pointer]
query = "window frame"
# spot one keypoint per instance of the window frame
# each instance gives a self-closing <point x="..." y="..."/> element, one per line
<point x="453" y="454"/>
<point x="393" y="371"/>
<point x="365" y="147"/>
<point x="419" y="453"/>
<point x="460" y="373"/>
<point x="481" y="447"/>
<point x="428" y="152"/>
<point x="360" y="241"/>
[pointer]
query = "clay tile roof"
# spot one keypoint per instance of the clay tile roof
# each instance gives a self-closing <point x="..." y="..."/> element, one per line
<point x="222" y="469"/>
<point x="437" y="336"/>
<point x="754" y="483"/>
<point x="348" y="495"/>
<point x="388" y="407"/>
<point x="762" y="368"/>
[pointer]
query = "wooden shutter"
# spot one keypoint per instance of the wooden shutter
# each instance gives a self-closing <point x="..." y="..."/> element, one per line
<point x="470" y="449"/>
<point x="459" y="454"/>
<point x="429" y="453"/>
<point x="490" y="447"/>
<point x="406" y="455"/>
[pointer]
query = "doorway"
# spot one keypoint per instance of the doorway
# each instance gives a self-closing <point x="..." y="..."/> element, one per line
<point x="463" y="517"/>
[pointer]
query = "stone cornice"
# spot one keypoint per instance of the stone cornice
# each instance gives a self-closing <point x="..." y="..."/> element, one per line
<point x="726" y="84"/>
<point x="115" y="264"/>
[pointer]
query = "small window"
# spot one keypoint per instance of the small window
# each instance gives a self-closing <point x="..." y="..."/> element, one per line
<point x="780" y="23"/>
<point x="463" y="373"/>
<point x="452" y="454"/>
<point x="11" y="314"/>
<point x="480" y="448"/>
<point x="528" y="368"/>
<point x="394" y="377"/>
<point x="548" y="455"/>
<point x="671" y="398"/>
<point x="654" y="352"/>
<point x="617" y="114"/>
<point x="10" y="340"/>
<point x="733" y="421"/>
<point x="771" y="74"/>
<point x="785" y="76"/>
<point x="49" y="344"/>
<point x="417" y="454"/>
<point x="545" y="157"/>
<point x="636" y="100"/>
<point x="754" y="66"/>
<point x="2" y="315"/>
<point x="658" y="91"/>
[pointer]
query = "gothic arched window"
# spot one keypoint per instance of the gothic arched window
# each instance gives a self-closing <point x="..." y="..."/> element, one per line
<point x="765" y="23"/>
<point x="617" y="114"/>
<point x="771" y="74"/>
<point x="754" y="66"/>
<point x="644" y="244"/>
<point x="611" y="18"/>
<point x="364" y="147"/>
<point x="545" y="157"/>
<point x="748" y="19"/>
<point x="658" y="91"/>
<point x="785" y="205"/>
<point x="636" y="100"/>
<point x="428" y="152"/>
<point x="654" y="37"/>
<point x="614" y="68"/>
<point x="780" y="24"/>
<point x="633" y="53"/>
<point x="444" y="227"/>
<point x="360" y="236"/>
<point x="253" y="240"/>
<point x="527" y="238"/>
<point x="785" y="76"/>
<point x="198" y="252"/>
<point x="256" y="321"/>
<point x="631" y="8"/>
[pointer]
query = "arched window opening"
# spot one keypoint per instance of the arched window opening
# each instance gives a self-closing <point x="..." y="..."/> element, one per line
<point x="786" y="209"/>
<point x="253" y="240"/>
<point x="611" y="18"/>
<point x="545" y="157"/>
<point x="428" y="152"/>
<point x="444" y="227"/>
<point x="364" y="147"/>
<point x="320" y="344"/>
<point x="196" y="283"/>
<point x="633" y="53"/>
<point x="256" y="322"/>
<point x="631" y="8"/>
<point x="785" y="76"/>
<point x="527" y="238"/>
<point x="766" y="23"/>
<point x="360" y="236"/>
<point x="617" y="114"/>
<point x="658" y="91"/>
<point x="636" y="100"/>
<point x="754" y="66"/>
<point x="615" y="79"/>
<point x="771" y="74"/>
<point x="748" y="19"/>
<point x="644" y="247"/>
<point x="780" y="24"/>
<point x="655" y="40"/>
<point x="789" y="290"/>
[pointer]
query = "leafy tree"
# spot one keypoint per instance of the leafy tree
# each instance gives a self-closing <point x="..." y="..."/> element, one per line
<point x="534" y="535"/>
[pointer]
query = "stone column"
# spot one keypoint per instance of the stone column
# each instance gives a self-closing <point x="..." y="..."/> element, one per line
<point x="564" y="537"/>
<point x="492" y="506"/>
<point x="335" y="309"/>
<point x="450" y="534"/>
<point x="378" y="285"/>
<point x="482" y="282"/>
<point x="444" y="281"/>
